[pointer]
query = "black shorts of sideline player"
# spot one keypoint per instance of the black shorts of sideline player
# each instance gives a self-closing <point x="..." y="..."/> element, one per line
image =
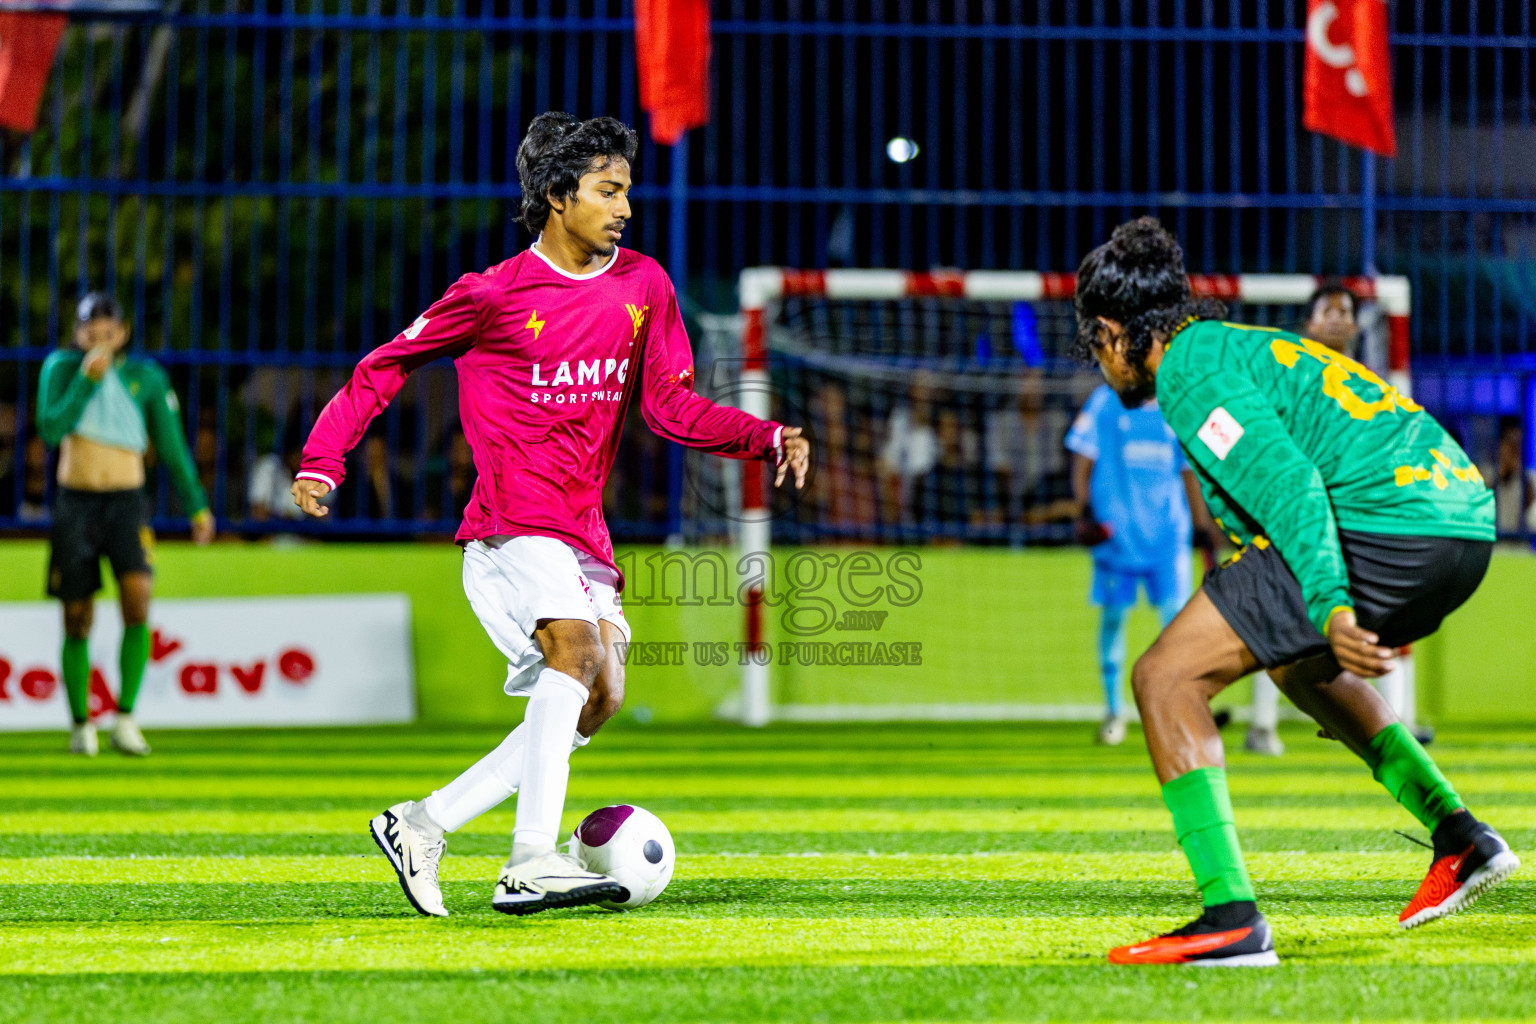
<point x="89" y="526"/>
<point x="1402" y="588"/>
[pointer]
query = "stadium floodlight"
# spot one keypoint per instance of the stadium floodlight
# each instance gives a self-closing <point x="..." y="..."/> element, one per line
<point x="876" y="336"/>
<point x="902" y="150"/>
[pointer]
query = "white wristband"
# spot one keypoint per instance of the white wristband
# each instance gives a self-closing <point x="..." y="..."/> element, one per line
<point x="309" y="474"/>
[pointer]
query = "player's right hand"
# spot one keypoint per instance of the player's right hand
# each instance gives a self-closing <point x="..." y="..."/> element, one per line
<point x="307" y="495"/>
<point x="1358" y="650"/>
<point x="96" y="362"/>
<point x="797" y="457"/>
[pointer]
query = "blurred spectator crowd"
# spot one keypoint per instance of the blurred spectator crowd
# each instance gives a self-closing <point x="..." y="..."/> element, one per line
<point x="941" y="459"/>
<point x="920" y="456"/>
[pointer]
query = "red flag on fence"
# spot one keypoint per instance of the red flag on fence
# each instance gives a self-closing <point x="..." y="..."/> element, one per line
<point x="672" y="54"/>
<point x="1348" y="84"/>
<point x="28" y="43"/>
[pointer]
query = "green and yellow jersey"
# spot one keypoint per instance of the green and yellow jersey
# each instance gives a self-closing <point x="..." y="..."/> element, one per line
<point x="131" y="405"/>
<point x="1293" y="441"/>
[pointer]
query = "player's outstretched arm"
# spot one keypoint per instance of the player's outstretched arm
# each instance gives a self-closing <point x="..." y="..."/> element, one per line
<point x="450" y="327"/>
<point x="1231" y="430"/>
<point x="672" y="409"/>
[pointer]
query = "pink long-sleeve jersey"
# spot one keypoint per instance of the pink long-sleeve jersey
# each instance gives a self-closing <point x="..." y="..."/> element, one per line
<point x="547" y="363"/>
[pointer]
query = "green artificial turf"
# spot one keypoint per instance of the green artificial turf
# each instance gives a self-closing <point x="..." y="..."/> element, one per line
<point x="861" y="874"/>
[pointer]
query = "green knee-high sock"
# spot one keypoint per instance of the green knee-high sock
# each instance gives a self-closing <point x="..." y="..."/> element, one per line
<point x="1202" y="819"/>
<point x="77" y="678"/>
<point x="132" y="658"/>
<point x="1400" y="764"/>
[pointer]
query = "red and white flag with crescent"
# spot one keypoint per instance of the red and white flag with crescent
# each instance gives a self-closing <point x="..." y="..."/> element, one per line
<point x="1348" y="79"/>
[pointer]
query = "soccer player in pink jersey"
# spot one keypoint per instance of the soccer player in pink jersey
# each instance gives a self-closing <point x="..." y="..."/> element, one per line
<point x="550" y="346"/>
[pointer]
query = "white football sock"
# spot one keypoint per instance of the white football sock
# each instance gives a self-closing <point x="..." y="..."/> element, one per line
<point x="1266" y="703"/>
<point x="487" y="783"/>
<point x="549" y="726"/>
<point x="485" y="786"/>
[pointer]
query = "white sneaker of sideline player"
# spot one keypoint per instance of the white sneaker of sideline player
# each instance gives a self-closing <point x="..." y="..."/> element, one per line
<point x="415" y="848"/>
<point x="1264" y="721"/>
<point x="127" y="739"/>
<point x="82" y="739"/>
<point x="1398" y="689"/>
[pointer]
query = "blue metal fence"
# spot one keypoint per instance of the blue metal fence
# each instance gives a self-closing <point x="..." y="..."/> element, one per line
<point x="275" y="187"/>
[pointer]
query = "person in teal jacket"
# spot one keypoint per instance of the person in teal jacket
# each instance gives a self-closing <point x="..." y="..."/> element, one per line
<point x="102" y="407"/>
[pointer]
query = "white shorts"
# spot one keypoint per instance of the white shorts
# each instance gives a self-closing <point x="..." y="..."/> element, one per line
<point x="514" y="582"/>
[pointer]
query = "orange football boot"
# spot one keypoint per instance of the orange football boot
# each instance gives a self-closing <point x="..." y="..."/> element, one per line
<point x="1469" y="858"/>
<point x="1229" y="935"/>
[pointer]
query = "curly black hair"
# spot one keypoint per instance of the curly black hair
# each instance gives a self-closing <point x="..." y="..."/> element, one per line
<point x="557" y="151"/>
<point x="1137" y="279"/>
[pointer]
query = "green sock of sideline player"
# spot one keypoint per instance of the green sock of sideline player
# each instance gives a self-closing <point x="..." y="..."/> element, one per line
<point x="1399" y="763"/>
<point x="132" y="657"/>
<point x="77" y="678"/>
<point x="1202" y="819"/>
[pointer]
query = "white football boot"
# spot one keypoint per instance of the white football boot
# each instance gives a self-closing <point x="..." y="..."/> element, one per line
<point x="415" y="848"/>
<point x="551" y="880"/>
<point x="127" y="739"/>
<point x="82" y="739"/>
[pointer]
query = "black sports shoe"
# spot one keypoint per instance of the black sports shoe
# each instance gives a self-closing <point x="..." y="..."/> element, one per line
<point x="1227" y="935"/>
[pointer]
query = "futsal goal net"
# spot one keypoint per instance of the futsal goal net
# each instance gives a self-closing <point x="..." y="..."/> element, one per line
<point x="937" y="405"/>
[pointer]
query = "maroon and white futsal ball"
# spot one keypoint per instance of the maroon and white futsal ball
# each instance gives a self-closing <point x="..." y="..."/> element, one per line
<point x="630" y="845"/>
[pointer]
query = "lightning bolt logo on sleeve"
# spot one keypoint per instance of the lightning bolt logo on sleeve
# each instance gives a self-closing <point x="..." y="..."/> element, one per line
<point x="535" y="323"/>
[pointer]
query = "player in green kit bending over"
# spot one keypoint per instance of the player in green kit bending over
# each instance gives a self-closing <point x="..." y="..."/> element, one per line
<point x="102" y="407"/>
<point x="1363" y="525"/>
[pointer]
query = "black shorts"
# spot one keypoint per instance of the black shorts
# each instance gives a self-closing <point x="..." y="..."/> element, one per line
<point x="88" y="525"/>
<point x="1402" y="588"/>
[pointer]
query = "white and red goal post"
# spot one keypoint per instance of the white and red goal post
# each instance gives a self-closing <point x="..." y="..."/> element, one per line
<point x="760" y="287"/>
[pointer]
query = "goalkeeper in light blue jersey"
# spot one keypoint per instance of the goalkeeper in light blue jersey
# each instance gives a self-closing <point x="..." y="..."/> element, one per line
<point x="1136" y="493"/>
